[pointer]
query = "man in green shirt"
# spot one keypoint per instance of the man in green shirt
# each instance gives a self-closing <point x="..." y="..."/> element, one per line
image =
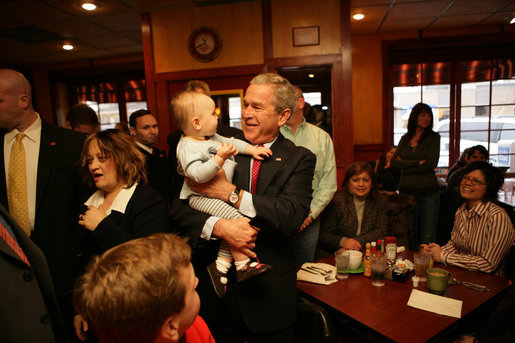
<point x="320" y="143"/>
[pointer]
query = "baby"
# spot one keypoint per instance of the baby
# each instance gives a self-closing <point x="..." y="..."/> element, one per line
<point x="201" y="153"/>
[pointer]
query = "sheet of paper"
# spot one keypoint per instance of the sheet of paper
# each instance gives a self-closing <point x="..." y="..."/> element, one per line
<point x="435" y="303"/>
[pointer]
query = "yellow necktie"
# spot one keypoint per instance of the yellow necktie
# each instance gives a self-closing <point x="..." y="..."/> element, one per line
<point x="17" y="184"/>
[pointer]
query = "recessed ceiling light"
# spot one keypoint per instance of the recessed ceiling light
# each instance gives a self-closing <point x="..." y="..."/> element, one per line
<point x="311" y="76"/>
<point x="324" y="108"/>
<point x="358" y="16"/>
<point x="67" y="46"/>
<point x="512" y="21"/>
<point x="89" y="6"/>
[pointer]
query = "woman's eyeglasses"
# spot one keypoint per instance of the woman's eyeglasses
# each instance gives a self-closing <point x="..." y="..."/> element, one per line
<point x="475" y="182"/>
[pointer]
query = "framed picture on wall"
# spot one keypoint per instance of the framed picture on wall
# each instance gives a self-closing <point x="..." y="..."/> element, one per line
<point x="304" y="36"/>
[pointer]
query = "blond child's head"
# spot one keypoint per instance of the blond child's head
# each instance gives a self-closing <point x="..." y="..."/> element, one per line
<point x="194" y="113"/>
<point x="140" y="291"/>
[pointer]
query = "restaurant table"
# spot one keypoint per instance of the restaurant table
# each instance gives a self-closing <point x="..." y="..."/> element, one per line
<point x="384" y="310"/>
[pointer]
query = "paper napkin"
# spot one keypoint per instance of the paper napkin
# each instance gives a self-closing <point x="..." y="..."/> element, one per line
<point x="316" y="277"/>
<point x="435" y="303"/>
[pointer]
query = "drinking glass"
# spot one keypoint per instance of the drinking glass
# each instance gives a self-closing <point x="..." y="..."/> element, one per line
<point x="378" y="266"/>
<point x="508" y="188"/>
<point x="421" y="265"/>
<point x="342" y="258"/>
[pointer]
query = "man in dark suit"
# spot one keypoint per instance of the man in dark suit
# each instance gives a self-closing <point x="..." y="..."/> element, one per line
<point x="53" y="184"/>
<point x="262" y="309"/>
<point x="145" y="131"/>
<point x="28" y="305"/>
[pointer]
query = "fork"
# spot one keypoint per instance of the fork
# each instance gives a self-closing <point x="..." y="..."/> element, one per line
<point x="477" y="287"/>
<point x="319" y="269"/>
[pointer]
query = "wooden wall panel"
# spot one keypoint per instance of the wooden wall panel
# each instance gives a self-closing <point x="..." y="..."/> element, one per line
<point x="239" y="25"/>
<point x="367" y="89"/>
<point x="287" y="14"/>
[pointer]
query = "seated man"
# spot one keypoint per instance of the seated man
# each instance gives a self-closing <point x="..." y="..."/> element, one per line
<point x="142" y="291"/>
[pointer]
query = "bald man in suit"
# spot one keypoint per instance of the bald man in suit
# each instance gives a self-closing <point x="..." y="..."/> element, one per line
<point x="54" y="186"/>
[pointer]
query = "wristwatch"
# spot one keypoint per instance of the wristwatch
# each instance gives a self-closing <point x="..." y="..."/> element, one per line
<point x="234" y="197"/>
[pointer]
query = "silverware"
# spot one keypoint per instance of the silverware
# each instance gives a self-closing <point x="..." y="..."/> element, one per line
<point x="477" y="287"/>
<point x="320" y="270"/>
<point x="326" y="277"/>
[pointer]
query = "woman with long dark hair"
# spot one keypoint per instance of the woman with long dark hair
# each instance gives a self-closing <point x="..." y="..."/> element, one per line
<point x="416" y="157"/>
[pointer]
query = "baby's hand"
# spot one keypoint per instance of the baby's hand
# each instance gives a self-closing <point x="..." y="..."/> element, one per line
<point x="226" y="150"/>
<point x="259" y="151"/>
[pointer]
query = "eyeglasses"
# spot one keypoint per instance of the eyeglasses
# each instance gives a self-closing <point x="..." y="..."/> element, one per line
<point x="475" y="182"/>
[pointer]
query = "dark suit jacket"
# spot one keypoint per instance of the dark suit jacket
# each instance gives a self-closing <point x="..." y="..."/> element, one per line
<point x="28" y="305"/>
<point x="58" y="194"/>
<point x="146" y="214"/>
<point x="268" y="302"/>
<point x="340" y="220"/>
<point x="158" y="173"/>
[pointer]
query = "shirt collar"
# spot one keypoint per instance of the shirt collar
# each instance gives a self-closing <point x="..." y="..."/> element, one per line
<point x="480" y="208"/>
<point x="33" y="132"/>
<point x="120" y="202"/>
<point x="144" y="147"/>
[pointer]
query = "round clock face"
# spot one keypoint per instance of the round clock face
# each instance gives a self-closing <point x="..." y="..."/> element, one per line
<point x="204" y="44"/>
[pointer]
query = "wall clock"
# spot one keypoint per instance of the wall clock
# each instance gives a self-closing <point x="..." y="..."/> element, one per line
<point x="204" y="44"/>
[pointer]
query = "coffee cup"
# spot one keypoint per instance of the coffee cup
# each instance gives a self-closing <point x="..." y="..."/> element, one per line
<point x="437" y="280"/>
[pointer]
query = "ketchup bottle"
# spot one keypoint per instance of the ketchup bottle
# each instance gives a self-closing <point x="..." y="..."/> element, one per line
<point x="390" y="248"/>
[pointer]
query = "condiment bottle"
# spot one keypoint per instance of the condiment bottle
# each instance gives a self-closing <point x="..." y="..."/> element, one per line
<point x="373" y="249"/>
<point x="380" y="245"/>
<point x="390" y="244"/>
<point x="366" y="265"/>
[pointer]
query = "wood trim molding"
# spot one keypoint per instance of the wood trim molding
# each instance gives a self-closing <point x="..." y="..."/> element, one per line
<point x="342" y="93"/>
<point x="148" y="58"/>
<point x="304" y="60"/>
<point x="268" y="38"/>
<point x="253" y="69"/>
<point x="369" y="147"/>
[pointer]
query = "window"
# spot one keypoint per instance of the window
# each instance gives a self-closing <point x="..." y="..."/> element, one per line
<point x="114" y="101"/>
<point x="483" y="113"/>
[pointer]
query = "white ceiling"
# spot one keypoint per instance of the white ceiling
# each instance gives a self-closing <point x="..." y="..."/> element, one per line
<point x="115" y="28"/>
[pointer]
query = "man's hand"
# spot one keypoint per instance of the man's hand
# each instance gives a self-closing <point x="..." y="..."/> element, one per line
<point x="238" y="233"/>
<point x="351" y="244"/>
<point x="218" y="187"/>
<point x="307" y="222"/>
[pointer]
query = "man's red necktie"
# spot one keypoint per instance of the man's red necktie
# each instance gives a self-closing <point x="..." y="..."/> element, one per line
<point x="12" y="243"/>
<point x="256" y="166"/>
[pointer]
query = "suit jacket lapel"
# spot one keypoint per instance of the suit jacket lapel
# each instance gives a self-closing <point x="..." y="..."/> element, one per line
<point x="272" y="164"/>
<point x="47" y="150"/>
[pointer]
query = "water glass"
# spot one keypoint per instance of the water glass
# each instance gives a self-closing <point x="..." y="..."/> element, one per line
<point x="342" y="258"/>
<point x="378" y="266"/>
<point x="508" y="188"/>
<point x="421" y="265"/>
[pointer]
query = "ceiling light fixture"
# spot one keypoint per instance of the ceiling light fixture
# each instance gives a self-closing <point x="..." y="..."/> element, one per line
<point x="358" y="16"/>
<point x="68" y="46"/>
<point x="311" y="76"/>
<point x="512" y="21"/>
<point x="88" y="6"/>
